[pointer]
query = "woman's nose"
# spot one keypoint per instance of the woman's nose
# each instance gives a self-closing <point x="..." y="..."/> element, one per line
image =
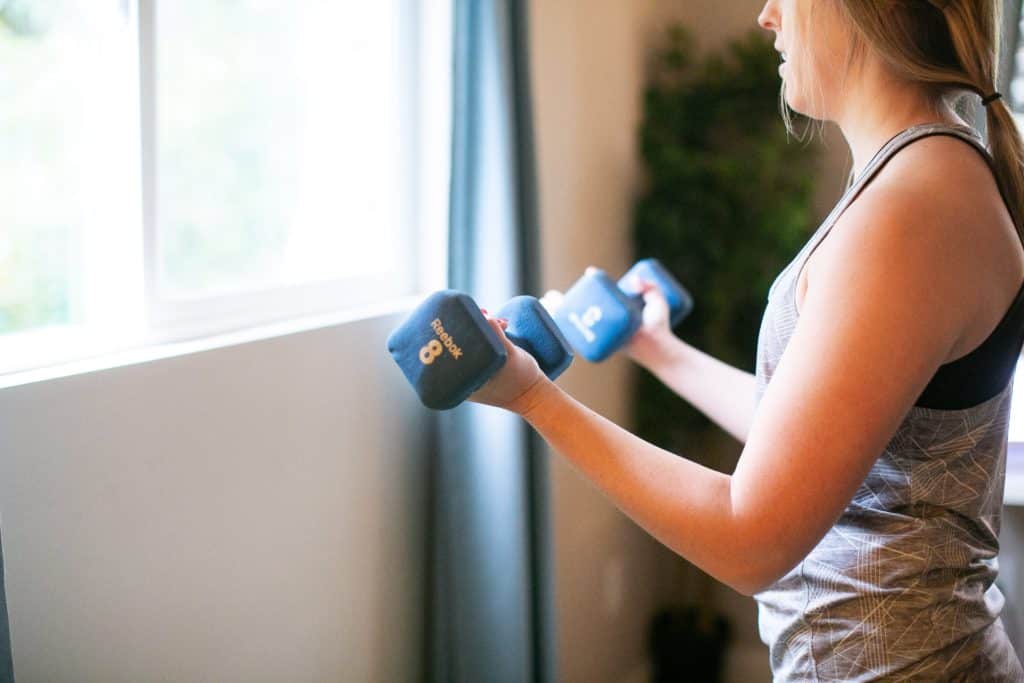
<point x="769" y="16"/>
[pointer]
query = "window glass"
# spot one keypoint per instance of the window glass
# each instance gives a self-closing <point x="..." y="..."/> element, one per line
<point x="177" y="169"/>
<point x="277" y="142"/>
<point x="67" y="156"/>
<point x="1016" y="94"/>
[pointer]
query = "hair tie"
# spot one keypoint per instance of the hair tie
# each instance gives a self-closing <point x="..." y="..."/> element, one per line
<point x="988" y="99"/>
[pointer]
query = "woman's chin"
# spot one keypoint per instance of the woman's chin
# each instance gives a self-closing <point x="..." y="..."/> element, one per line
<point x="797" y="103"/>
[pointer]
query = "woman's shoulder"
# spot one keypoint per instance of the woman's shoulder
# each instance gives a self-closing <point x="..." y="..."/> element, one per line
<point x="934" y="214"/>
<point x="934" y="195"/>
<point x="939" y="197"/>
<point x="941" y="159"/>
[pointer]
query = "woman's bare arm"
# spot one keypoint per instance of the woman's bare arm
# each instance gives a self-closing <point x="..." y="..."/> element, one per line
<point x="877" y="320"/>
<point x="727" y="395"/>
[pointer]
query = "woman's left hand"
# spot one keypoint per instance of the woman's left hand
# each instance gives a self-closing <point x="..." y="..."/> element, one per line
<point x="648" y="343"/>
<point x="510" y="386"/>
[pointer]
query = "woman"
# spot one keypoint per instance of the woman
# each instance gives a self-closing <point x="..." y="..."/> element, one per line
<point x="863" y="514"/>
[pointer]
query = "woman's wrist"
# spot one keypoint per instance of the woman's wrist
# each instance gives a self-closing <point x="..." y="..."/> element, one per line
<point x="659" y="352"/>
<point x="533" y="400"/>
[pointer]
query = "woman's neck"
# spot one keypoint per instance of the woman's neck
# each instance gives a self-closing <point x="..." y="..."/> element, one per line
<point x="876" y="111"/>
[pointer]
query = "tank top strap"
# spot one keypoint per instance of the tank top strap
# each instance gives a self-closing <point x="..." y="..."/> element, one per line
<point x="870" y="170"/>
<point x="882" y="157"/>
<point x="897" y="142"/>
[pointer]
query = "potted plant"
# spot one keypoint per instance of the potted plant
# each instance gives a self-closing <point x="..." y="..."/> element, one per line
<point x="726" y="204"/>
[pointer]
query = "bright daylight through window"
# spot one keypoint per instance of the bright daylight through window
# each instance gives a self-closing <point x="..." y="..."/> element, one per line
<point x="173" y="168"/>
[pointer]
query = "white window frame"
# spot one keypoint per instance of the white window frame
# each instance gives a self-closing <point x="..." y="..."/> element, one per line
<point x="226" y="317"/>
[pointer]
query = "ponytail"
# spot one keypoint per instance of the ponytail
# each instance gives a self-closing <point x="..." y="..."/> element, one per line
<point x="974" y="28"/>
<point x="1007" y="148"/>
<point x="952" y="45"/>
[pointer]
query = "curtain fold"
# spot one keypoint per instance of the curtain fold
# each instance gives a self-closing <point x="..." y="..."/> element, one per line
<point x="1008" y="48"/>
<point x="6" y="659"/>
<point x="490" y="595"/>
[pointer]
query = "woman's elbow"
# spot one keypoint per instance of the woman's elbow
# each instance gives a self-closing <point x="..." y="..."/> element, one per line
<point x="748" y="582"/>
<point x="751" y="583"/>
<point x="764" y="564"/>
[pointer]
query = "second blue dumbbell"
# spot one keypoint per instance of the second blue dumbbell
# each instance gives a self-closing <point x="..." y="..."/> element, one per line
<point x="599" y="315"/>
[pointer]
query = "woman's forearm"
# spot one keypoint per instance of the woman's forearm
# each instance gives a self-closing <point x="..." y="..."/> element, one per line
<point x="683" y="504"/>
<point x="727" y="395"/>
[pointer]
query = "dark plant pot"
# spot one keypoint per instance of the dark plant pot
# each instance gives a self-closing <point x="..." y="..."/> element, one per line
<point x="688" y="644"/>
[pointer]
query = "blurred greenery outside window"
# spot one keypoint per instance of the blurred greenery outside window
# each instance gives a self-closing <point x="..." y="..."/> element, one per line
<point x="1013" y="31"/>
<point x="178" y="161"/>
<point x="1012" y="86"/>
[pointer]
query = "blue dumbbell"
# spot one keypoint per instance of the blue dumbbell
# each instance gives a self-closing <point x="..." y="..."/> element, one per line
<point x="447" y="350"/>
<point x="598" y="315"/>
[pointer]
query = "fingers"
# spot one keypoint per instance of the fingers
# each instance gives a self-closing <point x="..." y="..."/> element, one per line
<point x="649" y="290"/>
<point x="643" y="286"/>
<point x="503" y="323"/>
<point x="654" y="296"/>
<point x="497" y="323"/>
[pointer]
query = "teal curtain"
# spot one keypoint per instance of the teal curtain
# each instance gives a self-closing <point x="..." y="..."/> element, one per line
<point x="6" y="660"/>
<point x="490" y="597"/>
<point x="1010" y="39"/>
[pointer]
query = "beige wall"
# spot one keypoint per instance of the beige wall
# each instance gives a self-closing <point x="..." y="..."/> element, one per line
<point x="588" y="61"/>
<point x="246" y="513"/>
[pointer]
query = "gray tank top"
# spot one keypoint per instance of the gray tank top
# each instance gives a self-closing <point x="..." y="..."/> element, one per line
<point x="902" y="586"/>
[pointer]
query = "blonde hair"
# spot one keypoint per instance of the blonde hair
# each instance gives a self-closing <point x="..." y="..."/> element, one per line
<point x="952" y="45"/>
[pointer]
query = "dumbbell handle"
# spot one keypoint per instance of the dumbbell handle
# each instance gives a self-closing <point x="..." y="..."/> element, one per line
<point x="531" y="328"/>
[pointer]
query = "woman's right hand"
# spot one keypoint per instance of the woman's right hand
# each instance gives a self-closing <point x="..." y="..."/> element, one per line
<point x="510" y="388"/>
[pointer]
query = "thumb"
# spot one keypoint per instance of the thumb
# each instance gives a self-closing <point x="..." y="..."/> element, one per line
<point x="651" y="292"/>
<point x="654" y="297"/>
<point x="498" y="325"/>
<point x="656" y="308"/>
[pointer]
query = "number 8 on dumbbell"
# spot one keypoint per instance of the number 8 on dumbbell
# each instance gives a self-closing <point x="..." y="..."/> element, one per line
<point x="430" y="352"/>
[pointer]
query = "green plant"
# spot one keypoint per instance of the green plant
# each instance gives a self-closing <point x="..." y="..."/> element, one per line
<point x="29" y="17"/>
<point x="727" y="203"/>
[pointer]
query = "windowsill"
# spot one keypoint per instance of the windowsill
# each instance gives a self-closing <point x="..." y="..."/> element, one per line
<point x="155" y="352"/>
<point x="1014" y="494"/>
